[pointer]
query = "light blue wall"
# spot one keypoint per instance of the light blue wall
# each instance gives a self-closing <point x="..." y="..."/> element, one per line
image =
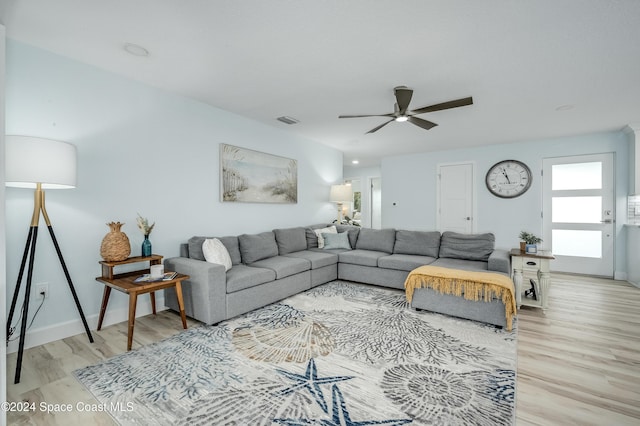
<point x="142" y="150"/>
<point x="411" y="182"/>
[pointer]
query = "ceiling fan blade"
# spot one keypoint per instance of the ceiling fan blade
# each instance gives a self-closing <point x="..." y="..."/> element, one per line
<point x="403" y="98"/>
<point x="375" y="129"/>
<point x="445" y="105"/>
<point x="369" y="115"/>
<point x="425" y="124"/>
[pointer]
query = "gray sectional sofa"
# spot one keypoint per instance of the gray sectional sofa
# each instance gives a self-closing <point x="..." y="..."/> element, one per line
<point x="270" y="266"/>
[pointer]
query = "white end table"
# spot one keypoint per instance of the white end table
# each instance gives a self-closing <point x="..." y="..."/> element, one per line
<point x="535" y="262"/>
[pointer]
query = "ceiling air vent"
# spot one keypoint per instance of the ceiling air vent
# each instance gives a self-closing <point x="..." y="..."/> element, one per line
<point x="288" y="120"/>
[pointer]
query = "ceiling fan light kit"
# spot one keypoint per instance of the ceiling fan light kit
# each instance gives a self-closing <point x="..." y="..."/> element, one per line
<point x="402" y="113"/>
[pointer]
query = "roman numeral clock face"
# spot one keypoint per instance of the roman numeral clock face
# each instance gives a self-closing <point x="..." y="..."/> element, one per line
<point x="508" y="179"/>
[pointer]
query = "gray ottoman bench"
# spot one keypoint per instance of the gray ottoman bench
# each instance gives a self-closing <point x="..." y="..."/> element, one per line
<point x="487" y="297"/>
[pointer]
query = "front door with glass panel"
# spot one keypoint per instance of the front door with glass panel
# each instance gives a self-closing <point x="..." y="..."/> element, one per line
<point x="578" y="213"/>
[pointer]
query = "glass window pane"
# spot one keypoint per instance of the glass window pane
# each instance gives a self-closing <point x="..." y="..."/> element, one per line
<point x="576" y="209"/>
<point x="576" y="176"/>
<point x="577" y="243"/>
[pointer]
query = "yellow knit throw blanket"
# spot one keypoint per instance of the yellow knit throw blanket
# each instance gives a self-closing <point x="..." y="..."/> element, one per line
<point x="475" y="285"/>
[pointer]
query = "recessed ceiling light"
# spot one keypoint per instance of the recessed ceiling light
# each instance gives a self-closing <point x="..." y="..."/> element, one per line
<point x="135" y="49"/>
<point x="355" y="162"/>
<point x="565" y="107"/>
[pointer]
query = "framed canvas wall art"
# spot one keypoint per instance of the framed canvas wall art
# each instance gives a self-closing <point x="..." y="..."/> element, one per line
<point x="256" y="177"/>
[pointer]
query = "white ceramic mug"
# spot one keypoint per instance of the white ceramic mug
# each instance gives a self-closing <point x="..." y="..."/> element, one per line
<point x="157" y="271"/>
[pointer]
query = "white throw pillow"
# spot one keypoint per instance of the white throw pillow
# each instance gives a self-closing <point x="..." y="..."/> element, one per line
<point x="215" y="252"/>
<point x="329" y="230"/>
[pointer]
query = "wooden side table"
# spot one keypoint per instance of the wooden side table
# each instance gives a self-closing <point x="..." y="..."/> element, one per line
<point x="535" y="262"/>
<point x="125" y="283"/>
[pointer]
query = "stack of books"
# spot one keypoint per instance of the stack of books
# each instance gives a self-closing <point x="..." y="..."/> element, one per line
<point x="147" y="278"/>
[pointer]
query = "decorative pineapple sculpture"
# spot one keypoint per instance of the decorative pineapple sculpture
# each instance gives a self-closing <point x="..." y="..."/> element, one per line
<point x="115" y="245"/>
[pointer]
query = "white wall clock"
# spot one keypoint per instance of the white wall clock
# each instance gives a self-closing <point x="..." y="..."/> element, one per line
<point x="508" y="179"/>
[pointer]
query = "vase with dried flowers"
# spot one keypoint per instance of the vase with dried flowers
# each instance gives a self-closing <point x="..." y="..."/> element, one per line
<point x="145" y="228"/>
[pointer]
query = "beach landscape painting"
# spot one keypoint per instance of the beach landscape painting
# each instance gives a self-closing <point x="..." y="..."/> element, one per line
<point x="249" y="176"/>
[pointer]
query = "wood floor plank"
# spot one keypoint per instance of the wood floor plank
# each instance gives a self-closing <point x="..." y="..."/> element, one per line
<point x="578" y="364"/>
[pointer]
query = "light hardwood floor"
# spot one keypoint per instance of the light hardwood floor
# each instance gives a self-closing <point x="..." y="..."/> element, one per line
<point x="578" y="364"/>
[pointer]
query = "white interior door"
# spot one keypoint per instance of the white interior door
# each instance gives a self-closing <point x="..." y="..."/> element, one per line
<point x="455" y="198"/>
<point x="578" y="213"/>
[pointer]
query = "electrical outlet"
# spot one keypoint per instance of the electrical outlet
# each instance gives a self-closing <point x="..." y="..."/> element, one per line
<point x="42" y="288"/>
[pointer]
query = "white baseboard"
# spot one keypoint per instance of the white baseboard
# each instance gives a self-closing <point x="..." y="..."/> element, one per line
<point x="42" y="335"/>
<point x="622" y="276"/>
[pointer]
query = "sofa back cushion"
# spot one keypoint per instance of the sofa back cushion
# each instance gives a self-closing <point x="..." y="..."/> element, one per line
<point x="376" y="239"/>
<point x="254" y="247"/>
<point x="417" y="242"/>
<point x="467" y="246"/>
<point x="231" y="243"/>
<point x="352" y="232"/>
<point x="290" y="240"/>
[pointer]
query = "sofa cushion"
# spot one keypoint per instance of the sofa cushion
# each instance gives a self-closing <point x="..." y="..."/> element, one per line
<point x="290" y="240"/>
<point x="330" y="251"/>
<point x="361" y="257"/>
<point x="466" y="246"/>
<point x="254" y="247"/>
<point x="215" y="252"/>
<point x="353" y="232"/>
<point x="318" y="259"/>
<point x="231" y="243"/>
<point x="417" y="242"/>
<point x="336" y="241"/>
<point x="283" y="266"/>
<point x="466" y="265"/>
<point x="243" y="276"/>
<point x="404" y="262"/>
<point x="376" y="239"/>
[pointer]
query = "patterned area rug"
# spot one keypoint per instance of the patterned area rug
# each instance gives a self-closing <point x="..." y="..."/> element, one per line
<point x="339" y="354"/>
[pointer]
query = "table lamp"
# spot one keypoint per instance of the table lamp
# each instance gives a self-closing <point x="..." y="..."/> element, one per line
<point x="340" y="194"/>
<point x="40" y="164"/>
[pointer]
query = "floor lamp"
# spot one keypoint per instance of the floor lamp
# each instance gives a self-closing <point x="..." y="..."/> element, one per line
<point x="41" y="164"/>
<point x="340" y="194"/>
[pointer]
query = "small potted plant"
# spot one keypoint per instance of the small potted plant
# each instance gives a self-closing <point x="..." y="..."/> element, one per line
<point x="529" y="241"/>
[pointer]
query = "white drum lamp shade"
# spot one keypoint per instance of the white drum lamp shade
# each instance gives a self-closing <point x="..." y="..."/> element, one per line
<point x="341" y="194"/>
<point x="30" y="160"/>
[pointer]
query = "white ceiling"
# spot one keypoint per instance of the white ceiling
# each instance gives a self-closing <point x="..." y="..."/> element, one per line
<point x="317" y="59"/>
